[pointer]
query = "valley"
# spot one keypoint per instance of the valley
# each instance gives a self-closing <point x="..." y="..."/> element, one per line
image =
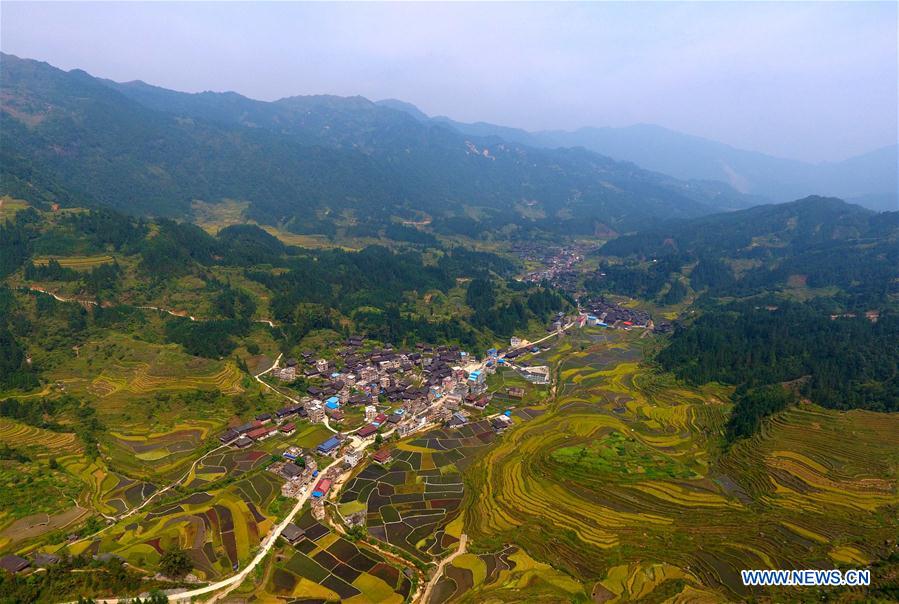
<point x="324" y="349"/>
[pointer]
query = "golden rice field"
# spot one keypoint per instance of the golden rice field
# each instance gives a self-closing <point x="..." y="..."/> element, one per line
<point x="23" y="435"/>
<point x="100" y="486"/>
<point x="158" y="456"/>
<point x="507" y="575"/>
<point x="77" y="485"/>
<point x="218" y="529"/>
<point x="624" y="484"/>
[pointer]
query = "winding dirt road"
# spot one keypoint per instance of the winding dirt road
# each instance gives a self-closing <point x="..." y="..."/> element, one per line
<point x="463" y="543"/>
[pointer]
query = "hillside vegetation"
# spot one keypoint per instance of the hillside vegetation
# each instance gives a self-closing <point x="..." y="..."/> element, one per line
<point x="802" y="294"/>
<point x="314" y="164"/>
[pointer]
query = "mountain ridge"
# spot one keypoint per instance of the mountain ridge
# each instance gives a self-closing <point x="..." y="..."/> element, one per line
<point x="312" y="162"/>
<point x="869" y="177"/>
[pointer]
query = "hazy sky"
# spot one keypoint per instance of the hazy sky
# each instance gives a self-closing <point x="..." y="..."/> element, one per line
<point x="805" y="80"/>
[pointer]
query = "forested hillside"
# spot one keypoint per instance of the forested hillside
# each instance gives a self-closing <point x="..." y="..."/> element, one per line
<point x="308" y="162"/>
<point x="231" y="281"/>
<point x="869" y="178"/>
<point x="815" y="243"/>
<point x="801" y="296"/>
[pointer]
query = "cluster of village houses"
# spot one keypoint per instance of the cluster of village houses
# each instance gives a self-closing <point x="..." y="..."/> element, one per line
<point x="606" y="313"/>
<point x="398" y="391"/>
<point x="425" y="386"/>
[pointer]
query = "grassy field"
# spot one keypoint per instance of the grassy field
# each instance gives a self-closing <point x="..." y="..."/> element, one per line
<point x="624" y="484"/>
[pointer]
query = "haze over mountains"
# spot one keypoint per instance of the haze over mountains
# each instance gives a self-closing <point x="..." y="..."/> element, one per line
<point x="869" y="179"/>
<point x="312" y="162"/>
<point x="316" y="163"/>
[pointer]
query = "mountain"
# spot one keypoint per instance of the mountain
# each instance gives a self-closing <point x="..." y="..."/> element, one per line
<point x="311" y="163"/>
<point x="866" y="176"/>
<point x="821" y="243"/>
<point x="779" y="229"/>
<point x="870" y="179"/>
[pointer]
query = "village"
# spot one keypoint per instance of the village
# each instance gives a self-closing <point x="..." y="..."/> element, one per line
<point x="396" y="392"/>
<point x="392" y="393"/>
<point x="388" y="394"/>
<point x="557" y="265"/>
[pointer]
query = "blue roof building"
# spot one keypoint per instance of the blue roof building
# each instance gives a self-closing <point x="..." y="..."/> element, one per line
<point x="328" y="446"/>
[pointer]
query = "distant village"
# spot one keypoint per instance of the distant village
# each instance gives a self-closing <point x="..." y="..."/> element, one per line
<point x="557" y="264"/>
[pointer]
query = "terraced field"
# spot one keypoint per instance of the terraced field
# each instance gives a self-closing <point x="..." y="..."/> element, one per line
<point x="58" y="497"/>
<point x="217" y="529"/>
<point x="159" y="456"/>
<point x="9" y="206"/>
<point x="624" y="485"/>
<point x="34" y="497"/>
<point x="106" y="491"/>
<point x="78" y="263"/>
<point x="323" y="566"/>
<point x="412" y="502"/>
<point x="228" y="463"/>
<point x="123" y="369"/>
<point x="507" y="575"/>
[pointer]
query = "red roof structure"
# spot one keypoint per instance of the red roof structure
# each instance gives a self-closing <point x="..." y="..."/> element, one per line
<point x="258" y="433"/>
<point x="366" y="431"/>
<point x="383" y="456"/>
<point x="322" y="488"/>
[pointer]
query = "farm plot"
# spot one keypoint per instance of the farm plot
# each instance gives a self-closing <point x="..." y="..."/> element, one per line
<point x="410" y="502"/>
<point x="37" y="496"/>
<point x="118" y="369"/>
<point x="217" y="529"/>
<point x="78" y="263"/>
<point x="625" y="472"/>
<point x="326" y="566"/>
<point x="508" y="575"/>
<point x="229" y="463"/>
<point x="157" y="456"/>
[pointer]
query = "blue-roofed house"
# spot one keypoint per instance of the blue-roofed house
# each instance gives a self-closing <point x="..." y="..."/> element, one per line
<point x="333" y="402"/>
<point x="329" y="446"/>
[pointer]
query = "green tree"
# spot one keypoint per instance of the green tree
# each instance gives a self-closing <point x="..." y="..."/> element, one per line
<point x="175" y="563"/>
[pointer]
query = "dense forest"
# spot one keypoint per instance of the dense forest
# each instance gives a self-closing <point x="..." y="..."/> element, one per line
<point x="840" y="362"/>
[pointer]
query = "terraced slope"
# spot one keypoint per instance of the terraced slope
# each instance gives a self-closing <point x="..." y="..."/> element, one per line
<point x="624" y="484"/>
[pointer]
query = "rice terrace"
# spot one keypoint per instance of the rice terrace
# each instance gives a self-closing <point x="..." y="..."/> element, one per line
<point x="282" y="336"/>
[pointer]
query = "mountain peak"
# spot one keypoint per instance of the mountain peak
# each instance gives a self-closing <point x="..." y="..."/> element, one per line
<point x="404" y="107"/>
